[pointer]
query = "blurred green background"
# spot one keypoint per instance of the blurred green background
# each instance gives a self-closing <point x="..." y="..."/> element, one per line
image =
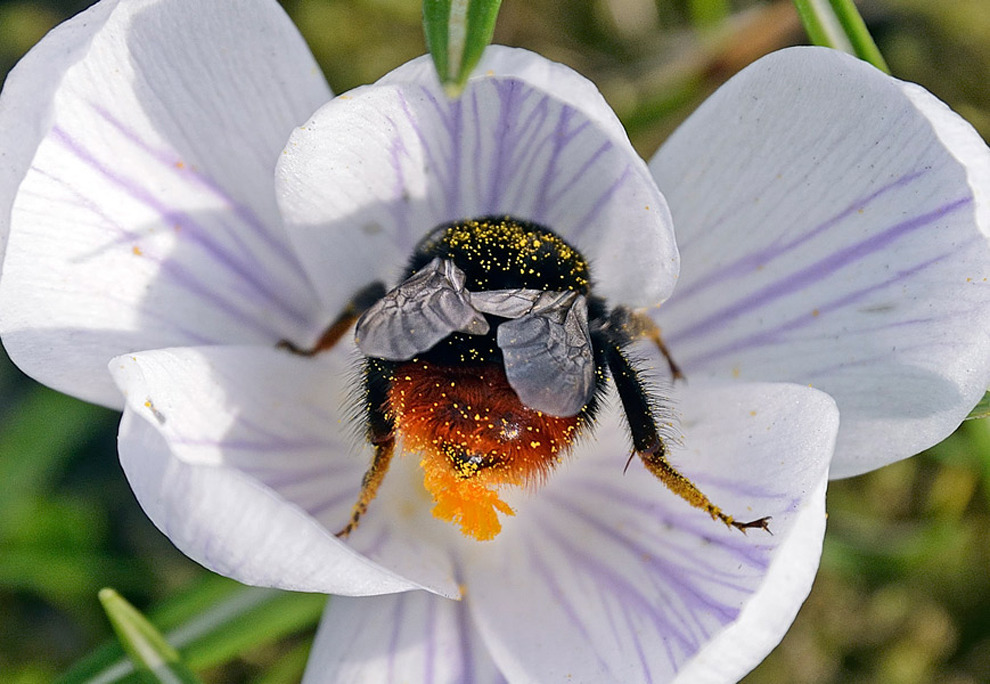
<point x="903" y="594"/>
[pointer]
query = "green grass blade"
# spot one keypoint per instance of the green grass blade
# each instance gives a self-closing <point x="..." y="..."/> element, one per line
<point x="838" y="24"/>
<point x="855" y="29"/>
<point x="152" y="656"/>
<point x="457" y="33"/>
<point x="822" y="25"/>
<point x="210" y="624"/>
<point x="981" y="410"/>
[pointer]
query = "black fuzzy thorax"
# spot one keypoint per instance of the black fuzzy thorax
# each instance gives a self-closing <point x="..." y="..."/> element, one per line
<point x="498" y="253"/>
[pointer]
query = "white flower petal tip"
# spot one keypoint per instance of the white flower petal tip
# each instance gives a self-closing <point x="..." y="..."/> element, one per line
<point x="762" y="623"/>
<point x="833" y="224"/>
<point x="608" y="577"/>
<point x="377" y="168"/>
<point x="242" y="457"/>
<point x="137" y="203"/>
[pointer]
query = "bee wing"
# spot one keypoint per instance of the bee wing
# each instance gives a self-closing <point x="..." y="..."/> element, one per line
<point x="425" y="308"/>
<point x="507" y="303"/>
<point x="547" y="352"/>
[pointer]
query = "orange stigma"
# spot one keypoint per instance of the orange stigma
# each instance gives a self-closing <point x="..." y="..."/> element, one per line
<point x="474" y="436"/>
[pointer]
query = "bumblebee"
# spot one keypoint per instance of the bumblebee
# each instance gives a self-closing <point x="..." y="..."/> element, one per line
<point x="488" y="359"/>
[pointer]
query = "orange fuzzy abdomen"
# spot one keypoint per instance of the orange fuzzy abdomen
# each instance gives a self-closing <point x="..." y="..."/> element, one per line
<point x="473" y="434"/>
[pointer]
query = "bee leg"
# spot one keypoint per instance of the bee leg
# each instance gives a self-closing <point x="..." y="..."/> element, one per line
<point x="380" y="433"/>
<point x="362" y="301"/>
<point x="648" y="443"/>
<point x="639" y="325"/>
<point x="370" y="483"/>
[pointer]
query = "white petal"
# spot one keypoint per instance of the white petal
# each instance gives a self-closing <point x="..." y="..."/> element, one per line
<point x="611" y="578"/>
<point x="761" y="625"/>
<point x="244" y="458"/>
<point x="377" y="168"/>
<point x="144" y="137"/>
<point x="560" y="81"/>
<point x="833" y="223"/>
<point x="411" y="637"/>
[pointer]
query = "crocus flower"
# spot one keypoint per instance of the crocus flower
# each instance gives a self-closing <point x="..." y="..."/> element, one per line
<point x="831" y="223"/>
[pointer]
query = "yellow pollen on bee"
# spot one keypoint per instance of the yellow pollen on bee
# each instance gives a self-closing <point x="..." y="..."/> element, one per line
<point x="466" y="503"/>
<point x="476" y="238"/>
<point x="469" y="455"/>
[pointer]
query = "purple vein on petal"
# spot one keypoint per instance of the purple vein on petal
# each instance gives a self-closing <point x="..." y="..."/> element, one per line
<point x="809" y="150"/>
<point x="319" y="507"/>
<point x="686" y="557"/>
<point x="395" y="638"/>
<point x="248" y="445"/>
<point x="498" y="165"/>
<point x="277" y="471"/>
<point x="465" y="630"/>
<point x="400" y="210"/>
<point x="603" y="200"/>
<point x="442" y="166"/>
<point x="534" y="554"/>
<point x="522" y="150"/>
<point x="778" y="334"/>
<point x="506" y="142"/>
<point x="429" y="671"/>
<point x="883" y="356"/>
<point x="669" y="578"/>
<point x="457" y="145"/>
<point x="434" y="161"/>
<point x="815" y="272"/>
<point x="555" y="196"/>
<point x="276" y="246"/>
<point x="611" y="589"/>
<point x="177" y="273"/>
<point x="756" y="557"/>
<point x="468" y="635"/>
<point x="562" y="136"/>
<point x="691" y="521"/>
<point x="250" y="277"/>
<point x="754" y="260"/>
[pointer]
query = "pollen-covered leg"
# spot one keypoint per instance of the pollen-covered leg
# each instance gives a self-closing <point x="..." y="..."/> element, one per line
<point x="370" y="483"/>
<point x="361" y="302"/>
<point x="657" y="464"/>
<point x="638" y="325"/>
<point x="649" y="445"/>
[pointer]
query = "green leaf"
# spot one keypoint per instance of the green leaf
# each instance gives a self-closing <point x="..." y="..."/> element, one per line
<point x="457" y="33"/>
<point x="211" y="624"/>
<point x="154" y="658"/>
<point x="982" y="409"/>
<point x="838" y="24"/>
